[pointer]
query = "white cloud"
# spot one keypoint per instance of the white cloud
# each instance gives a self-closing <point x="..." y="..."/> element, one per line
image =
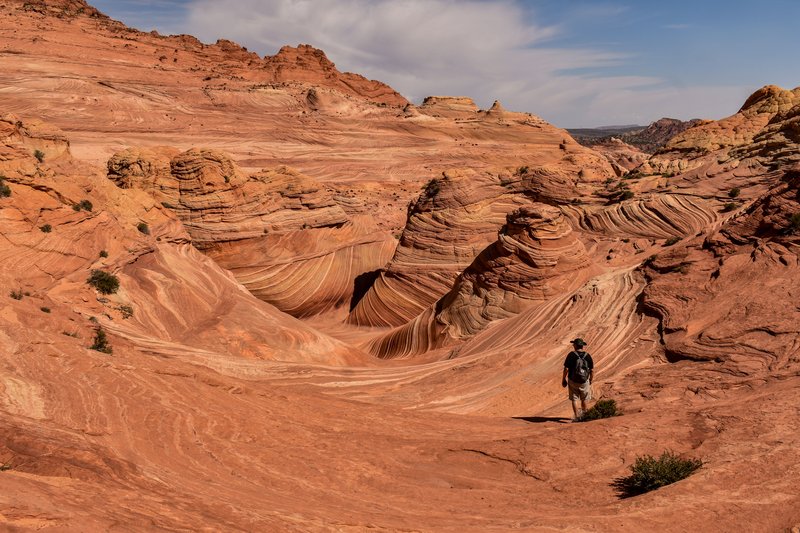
<point x="486" y="50"/>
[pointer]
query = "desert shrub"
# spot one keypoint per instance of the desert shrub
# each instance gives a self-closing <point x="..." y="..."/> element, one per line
<point x="103" y="253"/>
<point x="17" y="295"/>
<point x="143" y="228"/>
<point x="4" y="467"/>
<point x="100" y="343"/>
<point x="602" y="409"/>
<point x="626" y="195"/>
<point x="733" y="193"/>
<point x="729" y="206"/>
<point x="47" y="228"/>
<point x="44" y="309"/>
<point x="85" y="205"/>
<point x="524" y="169"/>
<point x="104" y="282"/>
<point x="650" y="473"/>
<point x="794" y="223"/>
<point x="671" y="241"/>
<point x="126" y="310"/>
<point x="5" y="190"/>
<point x="432" y="188"/>
<point x="39" y="155"/>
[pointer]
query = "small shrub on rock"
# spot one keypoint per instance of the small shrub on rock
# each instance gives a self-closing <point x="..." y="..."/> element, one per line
<point x="17" y="295"/>
<point x="794" y="223"/>
<point x="729" y="206"/>
<point x="47" y="228"/>
<point x="39" y="155"/>
<point x="84" y="205"/>
<point x="733" y="193"/>
<point x="650" y="473"/>
<point x="44" y="309"/>
<point x="602" y="409"/>
<point x="103" y="253"/>
<point x="104" y="282"/>
<point x="143" y="228"/>
<point x="100" y="343"/>
<point x="432" y="188"/>
<point x="671" y="241"/>
<point x="5" y="190"/>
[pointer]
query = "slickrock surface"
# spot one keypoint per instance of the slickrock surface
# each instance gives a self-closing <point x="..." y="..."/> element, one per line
<point x="217" y="411"/>
<point x="694" y="288"/>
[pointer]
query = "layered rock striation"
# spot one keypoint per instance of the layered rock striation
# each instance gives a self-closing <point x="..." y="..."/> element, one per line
<point x="278" y="231"/>
<point x="536" y="257"/>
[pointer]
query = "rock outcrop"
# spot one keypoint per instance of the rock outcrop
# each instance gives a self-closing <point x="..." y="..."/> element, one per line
<point x="698" y="290"/>
<point x="307" y="64"/>
<point x="281" y="235"/>
<point x="536" y="257"/>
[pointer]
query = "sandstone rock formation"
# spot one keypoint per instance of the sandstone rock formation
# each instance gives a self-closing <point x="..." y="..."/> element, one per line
<point x="214" y="405"/>
<point x="536" y="257"/>
<point x="280" y="234"/>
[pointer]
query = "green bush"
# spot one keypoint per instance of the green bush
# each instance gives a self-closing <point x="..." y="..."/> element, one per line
<point x="671" y="241"/>
<point x="602" y="409"/>
<point x="432" y="188"/>
<point x="47" y="228"/>
<point x="733" y="193"/>
<point x="85" y="205"/>
<point x="143" y="228"/>
<point x="649" y="473"/>
<point x="17" y="295"/>
<point x="103" y="253"/>
<point x="39" y="155"/>
<point x="5" y="190"/>
<point x="729" y="206"/>
<point x="104" y="282"/>
<point x="100" y="343"/>
<point x="126" y="310"/>
<point x="44" y="309"/>
<point x="794" y="223"/>
<point x="523" y="170"/>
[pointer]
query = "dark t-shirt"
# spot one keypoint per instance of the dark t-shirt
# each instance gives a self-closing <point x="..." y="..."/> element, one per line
<point x="571" y="362"/>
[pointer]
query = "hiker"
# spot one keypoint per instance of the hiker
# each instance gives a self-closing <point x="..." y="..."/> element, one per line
<point x="578" y="376"/>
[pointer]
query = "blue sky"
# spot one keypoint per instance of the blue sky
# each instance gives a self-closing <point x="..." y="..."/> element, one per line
<point x="574" y="63"/>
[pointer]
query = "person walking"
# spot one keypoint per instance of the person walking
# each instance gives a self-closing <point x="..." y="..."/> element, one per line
<point x="578" y="376"/>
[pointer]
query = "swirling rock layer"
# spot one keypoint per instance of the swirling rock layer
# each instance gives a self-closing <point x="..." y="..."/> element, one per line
<point x="281" y="235"/>
<point x="455" y="218"/>
<point x="706" y="297"/>
<point x="536" y="257"/>
<point x="451" y="222"/>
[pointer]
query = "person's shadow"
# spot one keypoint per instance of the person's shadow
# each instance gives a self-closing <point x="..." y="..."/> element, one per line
<point x="540" y="419"/>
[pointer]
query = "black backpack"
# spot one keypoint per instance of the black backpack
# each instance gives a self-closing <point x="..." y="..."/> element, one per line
<point x="582" y="370"/>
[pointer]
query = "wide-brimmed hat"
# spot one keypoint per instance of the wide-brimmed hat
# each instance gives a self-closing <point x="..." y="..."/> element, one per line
<point x="579" y="342"/>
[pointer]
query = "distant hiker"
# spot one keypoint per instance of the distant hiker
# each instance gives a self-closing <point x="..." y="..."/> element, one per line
<point x="578" y="376"/>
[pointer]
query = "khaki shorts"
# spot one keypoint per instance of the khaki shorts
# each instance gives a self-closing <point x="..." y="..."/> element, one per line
<point x="580" y="391"/>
